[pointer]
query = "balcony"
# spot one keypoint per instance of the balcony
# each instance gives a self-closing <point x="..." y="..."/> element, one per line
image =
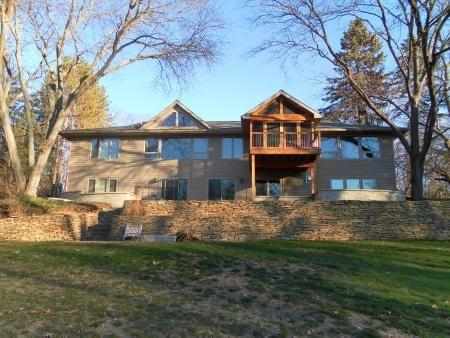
<point x="285" y="143"/>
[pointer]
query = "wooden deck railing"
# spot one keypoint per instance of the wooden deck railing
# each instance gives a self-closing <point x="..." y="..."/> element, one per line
<point x="285" y="140"/>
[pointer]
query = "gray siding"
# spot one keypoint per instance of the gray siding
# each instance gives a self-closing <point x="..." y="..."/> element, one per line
<point x="131" y="169"/>
<point x="381" y="169"/>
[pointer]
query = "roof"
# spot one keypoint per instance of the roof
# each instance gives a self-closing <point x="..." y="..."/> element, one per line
<point x="279" y="93"/>
<point x="215" y="127"/>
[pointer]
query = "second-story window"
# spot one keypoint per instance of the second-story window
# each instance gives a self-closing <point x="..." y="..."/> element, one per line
<point x="105" y="149"/>
<point x="351" y="147"/>
<point x="152" y="149"/>
<point x="232" y="148"/>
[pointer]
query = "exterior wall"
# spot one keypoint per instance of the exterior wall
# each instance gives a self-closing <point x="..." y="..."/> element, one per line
<point x="245" y="220"/>
<point x="131" y="169"/>
<point x="114" y="199"/>
<point x="361" y="195"/>
<point x="381" y="169"/>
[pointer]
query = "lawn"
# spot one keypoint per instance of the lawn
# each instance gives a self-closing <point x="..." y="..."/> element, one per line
<point x="271" y="288"/>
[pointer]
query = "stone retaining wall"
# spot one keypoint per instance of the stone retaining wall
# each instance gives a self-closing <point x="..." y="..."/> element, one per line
<point x="243" y="220"/>
<point x="52" y="227"/>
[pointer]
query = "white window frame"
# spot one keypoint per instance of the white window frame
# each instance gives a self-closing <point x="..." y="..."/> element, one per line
<point x="360" y="180"/>
<point x="96" y="179"/>
<point x="151" y="152"/>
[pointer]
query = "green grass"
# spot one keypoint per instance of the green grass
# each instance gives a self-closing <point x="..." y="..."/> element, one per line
<point x="272" y="288"/>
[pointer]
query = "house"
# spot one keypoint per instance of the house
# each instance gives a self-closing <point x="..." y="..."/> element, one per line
<point x="281" y="149"/>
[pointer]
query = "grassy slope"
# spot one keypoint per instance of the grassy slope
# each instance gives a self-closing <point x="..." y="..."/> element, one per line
<point x="280" y="288"/>
<point x="28" y="205"/>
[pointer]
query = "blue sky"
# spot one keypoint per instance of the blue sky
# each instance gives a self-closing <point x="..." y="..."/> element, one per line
<point x="225" y="91"/>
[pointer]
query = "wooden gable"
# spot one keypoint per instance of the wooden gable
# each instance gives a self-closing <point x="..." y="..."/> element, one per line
<point x="176" y="116"/>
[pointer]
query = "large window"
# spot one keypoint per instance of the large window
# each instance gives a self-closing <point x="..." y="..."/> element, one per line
<point x="174" y="189"/>
<point x="179" y="119"/>
<point x="271" y="188"/>
<point x="352" y="184"/>
<point x="102" y="185"/>
<point x="184" y="148"/>
<point x="351" y="147"/>
<point x="221" y="189"/>
<point x="370" y="147"/>
<point x="329" y="147"/>
<point x="105" y="149"/>
<point x="232" y="148"/>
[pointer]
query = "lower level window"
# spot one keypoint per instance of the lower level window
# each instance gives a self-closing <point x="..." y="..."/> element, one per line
<point x="352" y="184"/>
<point x="102" y="185"/>
<point x="221" y="189"/>
<point x="174" y="189"/>
<point x="271" y="188"/>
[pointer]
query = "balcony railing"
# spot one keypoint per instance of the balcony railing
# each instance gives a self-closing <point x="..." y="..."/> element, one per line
<point x="285" y="140"/>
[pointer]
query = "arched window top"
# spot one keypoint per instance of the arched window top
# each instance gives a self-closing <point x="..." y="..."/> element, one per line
<point x="179" y="119"/>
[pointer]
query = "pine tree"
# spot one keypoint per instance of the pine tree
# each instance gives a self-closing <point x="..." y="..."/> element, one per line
<point x="362" y="51"/>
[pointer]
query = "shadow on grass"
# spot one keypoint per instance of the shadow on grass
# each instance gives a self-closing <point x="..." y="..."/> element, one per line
<point x="394" y="282"/>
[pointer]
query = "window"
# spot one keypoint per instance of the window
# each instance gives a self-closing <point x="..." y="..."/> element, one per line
<point x="102" y="185"/>
<point x="352" y="183"/>
<point x="105" y="149"/>
<point x="112" y="185"/>
<point x="174" y="189"/>
<point x="329" y="147"/>
<point x="152" y="151"/>
<point x="370" y="147"/>
<point x="271" y="188"/>
<point x="369" y="184"/>
<point x="200" y="148"/>
<point x="337" y="184"/>
<point x="176" y="149"/>
<point x="232" y="148"/>
<point x="349" y="147"/>
<point x="221" y="189"/>
<point x="91" y="186"/>
<point x="179" y="119"/>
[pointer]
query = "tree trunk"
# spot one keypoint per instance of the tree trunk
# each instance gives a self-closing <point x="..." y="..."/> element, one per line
<point x="416" y="178"/>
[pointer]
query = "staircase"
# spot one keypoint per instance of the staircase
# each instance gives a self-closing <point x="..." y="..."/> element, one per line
<point x="100" y="231"/>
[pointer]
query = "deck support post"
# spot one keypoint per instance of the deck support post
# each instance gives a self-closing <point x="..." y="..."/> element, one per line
<point x="253" y="177"/>
<point x="313" y="179"/>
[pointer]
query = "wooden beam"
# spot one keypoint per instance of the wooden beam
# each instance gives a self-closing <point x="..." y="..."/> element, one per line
<point x="284" y="165"/>
<point x="281" y="105"/>
<point x="278" y="117"/>
<point x="253" y="177"/>
<point x="285" y="151"/>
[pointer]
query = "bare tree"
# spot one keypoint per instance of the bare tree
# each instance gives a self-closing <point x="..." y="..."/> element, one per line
<point x="414" y="33"/>
<point x="108" y="35"/>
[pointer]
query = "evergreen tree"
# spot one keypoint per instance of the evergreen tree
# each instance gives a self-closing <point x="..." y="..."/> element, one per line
<point x="362" y="51"/>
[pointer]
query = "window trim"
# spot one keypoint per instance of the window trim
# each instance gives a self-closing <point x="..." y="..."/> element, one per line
<point x="175" y="178"/>
<point x="191" y="149"/>
<point x="96" y="179"/>
<point x="221" y="178"/>
<point x="99" y="148"/>
<point x="159" y="149"/>
<point x="233" y="157"/>
<point x="360" y="179"/>
<point x="360" y="151"/>
<point x="177" y="123"/>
